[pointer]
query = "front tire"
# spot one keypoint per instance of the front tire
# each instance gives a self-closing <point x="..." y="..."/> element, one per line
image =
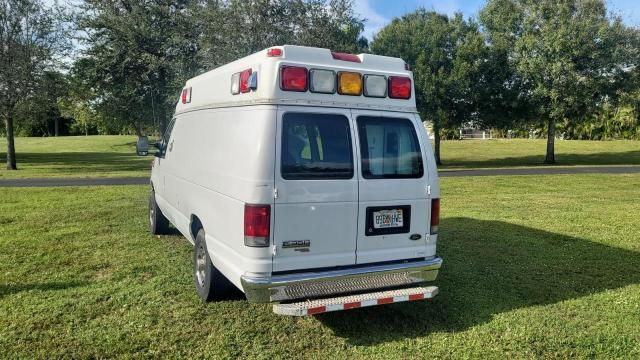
<point x="211" y="285"/>
<point x="158" y="223"/>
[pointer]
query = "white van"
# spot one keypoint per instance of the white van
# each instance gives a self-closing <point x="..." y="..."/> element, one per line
<point x="304" y="177"/>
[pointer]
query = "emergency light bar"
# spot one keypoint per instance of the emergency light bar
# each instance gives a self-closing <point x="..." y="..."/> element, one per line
<point x="325" y="81"/>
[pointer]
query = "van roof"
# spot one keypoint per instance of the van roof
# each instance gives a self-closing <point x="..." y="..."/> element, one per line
<point x="213" y="89"/>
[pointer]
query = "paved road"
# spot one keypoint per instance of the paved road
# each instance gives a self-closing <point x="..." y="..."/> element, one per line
<point x="544" y="171"/>
<point x="445" y="173"/>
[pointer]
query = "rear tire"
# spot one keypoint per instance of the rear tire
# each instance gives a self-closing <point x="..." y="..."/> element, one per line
<point x="211" y="285"/>
<point x="158" y="223"/>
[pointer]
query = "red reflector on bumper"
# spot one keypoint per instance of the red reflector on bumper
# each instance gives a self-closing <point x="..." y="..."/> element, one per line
<point x="316" y="310"/>
<point x="352" y="305"/>
<point x="385" y="301"/>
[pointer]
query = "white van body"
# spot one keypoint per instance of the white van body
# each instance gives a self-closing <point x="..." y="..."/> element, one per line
<point x="223" y="152"/>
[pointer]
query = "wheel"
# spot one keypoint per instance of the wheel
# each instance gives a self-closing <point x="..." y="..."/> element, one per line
<point x="158" y="223"/>
<point x="211" y="285"/>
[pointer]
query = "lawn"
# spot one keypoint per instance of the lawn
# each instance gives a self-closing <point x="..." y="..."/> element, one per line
<point x="109" y="156"/>
<point x="526" y="153"/>
<point x="76" y="156"/>
<point x="535" y="266"/>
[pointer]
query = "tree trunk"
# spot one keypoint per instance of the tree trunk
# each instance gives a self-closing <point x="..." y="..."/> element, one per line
<point x="162" y="111"/>
<point x="11" y="147"/>
<point x="436" y="140"/>
<point x="56" y="126"/>
<point x="551" y="139"/>
<point x="138" y="126"/>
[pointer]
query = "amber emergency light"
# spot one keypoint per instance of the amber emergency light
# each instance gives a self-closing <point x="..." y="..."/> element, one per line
<point x="349" y="83"/>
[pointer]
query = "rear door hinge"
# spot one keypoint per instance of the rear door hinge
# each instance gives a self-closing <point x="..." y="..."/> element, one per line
<point x="275" y="193"/>
<point x="274" y="250"/>
<point x="428" y="189"/>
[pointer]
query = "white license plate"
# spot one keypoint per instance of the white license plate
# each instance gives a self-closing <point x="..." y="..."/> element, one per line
<point x="387" y="219"/>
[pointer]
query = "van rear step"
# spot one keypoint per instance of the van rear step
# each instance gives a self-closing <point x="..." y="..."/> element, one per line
<point x="312" y="307"/>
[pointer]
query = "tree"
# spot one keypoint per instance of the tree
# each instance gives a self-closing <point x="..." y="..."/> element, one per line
<point x="139" y="54"/>
<point x="447" y="56"/>
<point x="238" y="28"/>
<point x="29" y="35"/>
<point x="570" y="55"/>
<point x="136" y="52"/>
<point x="39" y="114"/>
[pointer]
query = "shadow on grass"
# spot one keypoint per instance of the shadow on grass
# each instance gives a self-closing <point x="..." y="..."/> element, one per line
<point x="602" y="158"/>
<point x="492" y="267"/>
<point x="17" y="288"/>
<point x="80" y="162"/>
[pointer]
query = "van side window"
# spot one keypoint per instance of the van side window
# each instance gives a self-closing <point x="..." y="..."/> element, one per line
<point x="167" y="133"/>
<point x="390" y="148"/>
<point x="316" y="146"/>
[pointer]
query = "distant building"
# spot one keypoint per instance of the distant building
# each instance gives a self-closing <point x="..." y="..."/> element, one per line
<point x="475" y="133"/>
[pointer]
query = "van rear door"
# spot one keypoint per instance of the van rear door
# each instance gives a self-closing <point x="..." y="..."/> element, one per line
<point x="316" y="201"/>
<point x="394" y="208"/>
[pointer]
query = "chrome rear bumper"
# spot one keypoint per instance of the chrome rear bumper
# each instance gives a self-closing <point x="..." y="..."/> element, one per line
<point x="259" y="288"/>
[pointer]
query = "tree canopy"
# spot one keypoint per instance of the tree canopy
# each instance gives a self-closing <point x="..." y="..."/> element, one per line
<point x="30" y="37"/>
<point x="447" y="56"/>
<point x="570" y="56"/>
<point x="530" y="68"/>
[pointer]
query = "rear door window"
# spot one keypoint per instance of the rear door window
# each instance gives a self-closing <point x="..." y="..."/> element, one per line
<point x="316" y="146"/>
<point x="390" y="148"/>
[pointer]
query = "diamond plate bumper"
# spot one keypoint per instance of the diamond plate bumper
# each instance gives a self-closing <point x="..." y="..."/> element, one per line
<point x="335" y="282"/>
<point x="355" y="301"/>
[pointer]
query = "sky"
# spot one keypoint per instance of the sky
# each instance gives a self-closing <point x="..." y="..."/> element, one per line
<point x="380" y="12"/>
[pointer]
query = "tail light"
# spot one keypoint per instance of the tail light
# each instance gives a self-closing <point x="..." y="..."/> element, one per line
<point x="435" y="215"/>
<point x="399" y="87"/>
<point x="256" y="225"/>
<point x="293" y="78"/>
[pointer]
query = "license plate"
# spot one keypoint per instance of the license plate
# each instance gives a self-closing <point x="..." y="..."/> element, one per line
<point x="387" y="219"/>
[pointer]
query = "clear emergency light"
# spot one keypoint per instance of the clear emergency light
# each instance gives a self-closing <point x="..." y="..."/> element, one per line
<point x="235" y="83"/>
<point x="322" y="81"/>
<point x="375" y="86"/>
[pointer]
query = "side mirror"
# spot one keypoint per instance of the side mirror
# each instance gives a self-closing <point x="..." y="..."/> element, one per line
<point x="160" y="146"/>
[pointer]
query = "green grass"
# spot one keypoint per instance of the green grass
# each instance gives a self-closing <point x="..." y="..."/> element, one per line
<point x="534" y="267"/>
<point x="76" y="156"/>
<point x="526" y="153"/>
<point x="109" y="156"/>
